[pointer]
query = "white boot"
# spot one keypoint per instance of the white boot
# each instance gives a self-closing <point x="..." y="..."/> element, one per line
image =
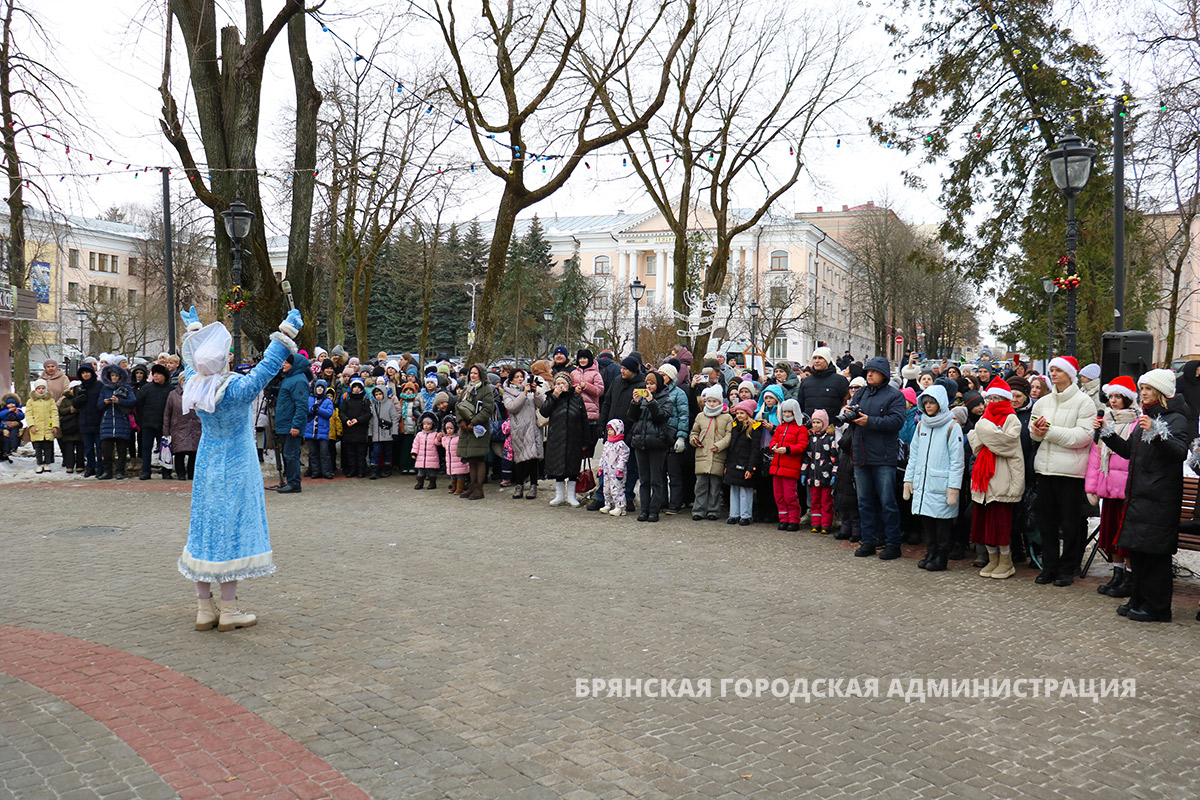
<point x="572" y="500"/>
<point x="233" y="617"/>
<point x="618" y="511"/>
<point x="206" y="613"/>
<point x="560" y="493"/>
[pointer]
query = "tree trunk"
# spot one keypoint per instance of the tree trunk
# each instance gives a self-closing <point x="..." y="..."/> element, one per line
<point x="485" y="318"/>
<point x="308" y="103"/>
<point x="714" y="279"/>
<point x="18" y="268"/>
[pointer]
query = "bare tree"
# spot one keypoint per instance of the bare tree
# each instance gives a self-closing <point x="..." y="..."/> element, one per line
<point x="35" y="100"/>
<point x="226" y="82"/>
<point x="191" y="255"/>
<point x="535" y="56"/>
<point x="745" y="83"/>
<point x="882" y="246"/>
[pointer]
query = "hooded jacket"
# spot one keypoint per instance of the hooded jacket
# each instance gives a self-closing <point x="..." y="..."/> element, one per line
<point x="355" y="407"/>
<point x="86" y="397"/>
<point x="593" y="388"/>
<point x="877" y="444"/>
<point x="68" y="417"/>
<point x="618" y="399"/>
<point x="320" y="412"/>
<point x="790" y="388"/>
<point x="524" y="434"/>
<point x="936" y="459"/>
<point x="744" y="453"/>
<point x="652" y="428"/>
<point x="114" y="417"/>
<point x="383" y="410"/>
<point x="1064" y="449"/>
<point x="1154" y="492"/>
<point x="151" y="403"/>
<point x="684" y="378"/>
<point x="1189" y="386"/>
<point x="291" y="409"/>
<point x="475" y="407"/>
<point x="793" y="437"/>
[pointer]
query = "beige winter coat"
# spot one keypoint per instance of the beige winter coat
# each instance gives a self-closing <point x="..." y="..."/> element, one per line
<point x="1008" y="483"/>
<point x="1064" y="449"/>
<point x="707" y="431"/>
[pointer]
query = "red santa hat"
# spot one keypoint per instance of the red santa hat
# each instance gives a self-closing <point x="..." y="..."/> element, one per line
<point x="998" y="388"/>
<point x="1067" y="364"/>
<point x="1124" y="386"/>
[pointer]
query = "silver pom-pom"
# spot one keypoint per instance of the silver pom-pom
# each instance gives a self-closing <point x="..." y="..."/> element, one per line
<point x="1159" y="429"/>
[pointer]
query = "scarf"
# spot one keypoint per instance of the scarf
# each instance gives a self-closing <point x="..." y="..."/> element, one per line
<point x="616" y="437"/>
<point x="985" y="461"/>
<point x="1115" y="417"/>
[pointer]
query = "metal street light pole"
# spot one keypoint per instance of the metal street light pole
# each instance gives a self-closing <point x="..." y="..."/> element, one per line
<point x="237" y="225"/>
<point x="548" y="316"/>
<point x="82" y="318"/>
<point x="637" y="290"/>
<point x="1071" y="167"/>
<point x="1051" y="289"/>
<point x="754" y="309"/>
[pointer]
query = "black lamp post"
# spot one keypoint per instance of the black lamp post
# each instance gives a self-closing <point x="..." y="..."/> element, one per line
<point x="237" y="225"/>
<point x="82" y="315"/>
<point x="1051" y="289"/>
<point x="637" y="290"/>
<point x="548" y="316"/>
<point x="754" y="309"/>
<point x="1071" y="167"/>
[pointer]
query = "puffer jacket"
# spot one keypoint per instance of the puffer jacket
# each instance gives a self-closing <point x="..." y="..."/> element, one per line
<point x="744" y="453"/>
<point x="475" y="407"/>
<point x="1107" y="472"/>
<point x="41" y="414"/>
<point x="935" y="462"/>
<point x="291" y="408"/>
<point x="593" y="388"/>
<point x="355" y="407"/>
<point x="793" y="437"/>
<point x="114" y="417"/>
<point x="425" y="450"/>
<point x="1008" y="482"/>
<point x="320" y="411"/>
<point x="1154" y="492"/>
<point x="566" y="434"/>
<point x="1064" y="449"/>
<point x="68" y="417"/>
<point x="876" y="444"/>
<point x="706" y="432"/>
<point x="680" y="410"/>
<point x="828" y="388"/>
<point x="652" y="428"/>
<point x="383" y="410"/>
<point x="454" y="464"/>
<point x="522" y="423"/>
<point x="86" y="401"/>
<point x="184" y="429"/>
<point x="820" y="460"/>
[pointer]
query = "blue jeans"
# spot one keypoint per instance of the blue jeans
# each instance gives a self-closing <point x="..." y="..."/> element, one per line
<point x="877" y="506"/>
<point x="741" y="502"/>
<point x="291" y="458"/>
<point x="91" y="449"/>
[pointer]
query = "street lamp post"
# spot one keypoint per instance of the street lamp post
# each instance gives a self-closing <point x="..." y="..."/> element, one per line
<point x="548" y="316"/>
<point x="754" y="309"/>
<point x="237" y="225"/>
<point x="473" y="286"/>
<point x="637" y="290"/>
<point x="1071" y="167"/>
<point x="1051" y="289"/>
<point x="82" y="315"/>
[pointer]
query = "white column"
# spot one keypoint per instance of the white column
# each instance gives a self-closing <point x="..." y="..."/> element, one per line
<point x="665" y="271"/>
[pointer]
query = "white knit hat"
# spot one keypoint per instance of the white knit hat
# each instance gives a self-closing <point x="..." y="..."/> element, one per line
<point x="825" y="353"/>
<point x="1161" y="379"/>
<point x="1091" y="372"/>
<point x="714" y="392"/>
<point x="669" y="371"/>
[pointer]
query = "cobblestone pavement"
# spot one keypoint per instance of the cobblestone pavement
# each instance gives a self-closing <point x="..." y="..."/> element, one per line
<point x="419" y="646"/>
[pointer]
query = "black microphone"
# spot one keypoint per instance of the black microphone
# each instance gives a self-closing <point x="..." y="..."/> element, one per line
<point x="1096" y="434"/>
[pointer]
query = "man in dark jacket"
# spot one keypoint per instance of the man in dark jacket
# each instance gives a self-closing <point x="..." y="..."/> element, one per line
<point x="618" y="399"/>
<point x="876" y="434"/>
<point x="151" y="403"/>
<point x="86" y="402"/>
<point x="291" y="412"/>
<point x="825" y="388"/>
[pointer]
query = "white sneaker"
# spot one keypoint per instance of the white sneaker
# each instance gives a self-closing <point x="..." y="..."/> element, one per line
<point x="605" y="509"/>
<point x="619" y="511"/>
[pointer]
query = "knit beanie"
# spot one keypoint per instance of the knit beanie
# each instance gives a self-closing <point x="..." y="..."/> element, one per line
<point x="909" y="394"/>
<point x="821" y="414"/>
<point x="713" y="392"/>
<point x="825" y="353"/>
<point x="1161" y="379"/>
<point x="630" y="363"/>
<point x="749" y="406"/>
<point x="441" y="397"/>
<point x="1091" y="372"/>
<point x="1018" y="384"/>
<point x="671" y="373"/>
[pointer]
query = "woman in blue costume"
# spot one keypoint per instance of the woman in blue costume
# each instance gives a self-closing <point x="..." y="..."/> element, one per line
<point x="228" y="538"/>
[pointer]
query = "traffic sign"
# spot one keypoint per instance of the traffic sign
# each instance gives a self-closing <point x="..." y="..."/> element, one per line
<point x="899" y="340"/>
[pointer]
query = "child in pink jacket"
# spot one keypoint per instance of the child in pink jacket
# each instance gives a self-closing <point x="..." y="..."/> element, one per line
<point x="1107" y="474"/>
<point x="425" y="451"/>
<point x="455" y="466"/>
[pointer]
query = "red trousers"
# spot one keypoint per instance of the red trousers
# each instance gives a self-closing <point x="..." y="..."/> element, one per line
<point x="1112" y="512"/>
<point x="822" y="506"/>
<point x="786" y="499"/>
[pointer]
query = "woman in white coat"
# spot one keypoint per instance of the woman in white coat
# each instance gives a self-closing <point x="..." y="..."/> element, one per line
<point x="997" y="478"/>
<point x="1062" y="423"/>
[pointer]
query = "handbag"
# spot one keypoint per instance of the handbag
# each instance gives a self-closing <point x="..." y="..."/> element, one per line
<point x="165" y="456"/>
<point x="586" y="482"/>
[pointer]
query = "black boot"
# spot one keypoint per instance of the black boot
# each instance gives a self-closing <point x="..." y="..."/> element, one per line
<point x="1124" y="588"/>
<point x="1117" y="576"/>
<point x="374" y="473"/>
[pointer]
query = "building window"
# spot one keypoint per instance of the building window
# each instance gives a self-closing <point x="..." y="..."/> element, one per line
<point x="778" y="296"/>
<point x="133" y="297"/>
<point x="92" y="262"/>
<point x="602" y="266"/>
<point x="113" y="263"/>
<point x="651" y="266"/>
<point x="72" y="292"/>
<point x="73" y="255"/>
<point x="778" y="349"/>
<point x="132" y="263"/>
<point x="600" y="302"/>
<point x="103" y="266"/>
<point x="91" y="294"/>
<point x="650" y="294"/>
<point x="779" y="259"/>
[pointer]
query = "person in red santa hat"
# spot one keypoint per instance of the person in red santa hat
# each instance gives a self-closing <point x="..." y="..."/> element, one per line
<point x="1107" y="475"/>
<point x="1062" y="425"/>
<point x="997" y="478"/>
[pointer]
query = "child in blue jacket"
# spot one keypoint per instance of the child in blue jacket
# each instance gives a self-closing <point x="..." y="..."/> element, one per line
<point x="316" y="431"/>
<point x="11" y="416"/>
<point x="934" y="474"/>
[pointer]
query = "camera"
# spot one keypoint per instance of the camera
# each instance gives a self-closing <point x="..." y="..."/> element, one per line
<point x="849" y="415"/>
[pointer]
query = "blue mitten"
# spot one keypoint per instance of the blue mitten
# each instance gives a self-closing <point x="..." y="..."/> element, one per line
<point x="292" y="325"/>
<point x="191" y="319"/>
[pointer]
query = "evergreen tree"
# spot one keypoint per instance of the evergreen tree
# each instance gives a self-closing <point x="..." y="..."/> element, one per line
<point x="575" y="291"/>
<point x="529" y="286"/>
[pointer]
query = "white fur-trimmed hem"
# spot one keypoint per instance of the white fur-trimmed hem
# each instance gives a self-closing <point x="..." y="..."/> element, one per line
<point x="286" y="341"/>
<point x="222" y="571"/>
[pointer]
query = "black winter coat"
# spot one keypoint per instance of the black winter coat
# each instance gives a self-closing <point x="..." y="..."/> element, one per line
<point x="151" y="403"/>
<point x="354" y="407"/>
<point x="87" y="401"/>
<point x="845" y="490"/>
<point x="566" y="435"/>
<point x="826" y="389"/>
<point x="744" y="453"/>
<point x="877" y="444"/>
<point x="1154" y="491"/>
<point x="652" y="429"/>
<point x="618" y="399"/>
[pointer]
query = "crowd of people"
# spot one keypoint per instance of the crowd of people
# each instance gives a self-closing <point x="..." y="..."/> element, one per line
<point x="990" y="461"/>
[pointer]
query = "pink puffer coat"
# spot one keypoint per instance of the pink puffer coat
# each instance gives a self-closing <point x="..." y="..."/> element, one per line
<point x="593" y="388"/>
<point x="454" y="464"/>
<point x="1107" y="472"/>
<point x="425" y="450"/>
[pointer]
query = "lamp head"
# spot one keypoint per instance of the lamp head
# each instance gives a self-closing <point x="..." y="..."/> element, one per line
<point x="548" y="315"/>
<point x="237" y="219"/>
<point x="637" y="289"/>
<point x="1071" y="164"/>
<point x="1049" y="285"/>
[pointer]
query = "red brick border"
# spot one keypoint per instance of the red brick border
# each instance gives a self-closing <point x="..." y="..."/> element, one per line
<point x="202" y="743"/>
